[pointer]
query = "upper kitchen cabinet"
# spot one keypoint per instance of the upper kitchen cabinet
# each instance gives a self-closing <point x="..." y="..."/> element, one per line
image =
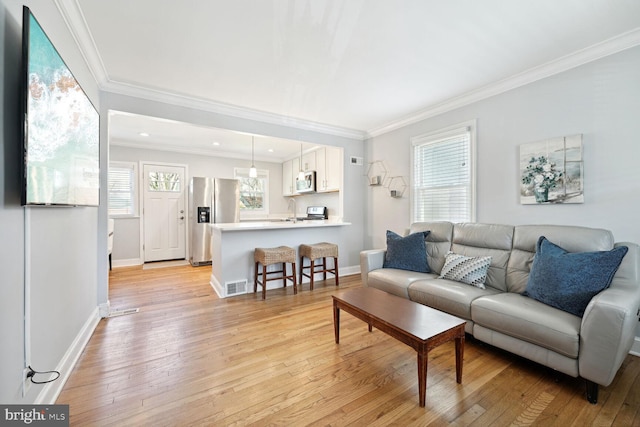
<point x="328" y="169"/>
<point x="309" y="161"/>
<point x="290" y="170"/>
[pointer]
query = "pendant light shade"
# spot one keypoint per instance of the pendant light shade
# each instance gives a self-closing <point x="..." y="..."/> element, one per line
<point x="253" y="172"/>
<point x="301" y="173"/>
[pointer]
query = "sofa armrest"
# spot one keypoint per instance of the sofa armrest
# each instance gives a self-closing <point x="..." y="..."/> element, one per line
<point x="609" y="322"/>
<point x="370" y="260"/>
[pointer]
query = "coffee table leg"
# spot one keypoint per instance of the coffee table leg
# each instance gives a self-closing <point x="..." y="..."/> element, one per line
<point x="422" y="378"/>
<point x="336" y="321"/>
<point x="459" y="357"/>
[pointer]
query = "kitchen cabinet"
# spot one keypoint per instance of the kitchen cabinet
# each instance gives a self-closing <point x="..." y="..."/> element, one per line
<point x="290" y="170"/>
<point x="328" y="169"/>
<point x="309" y="161"/>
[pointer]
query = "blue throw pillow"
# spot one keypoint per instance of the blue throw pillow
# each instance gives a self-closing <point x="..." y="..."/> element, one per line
<point x="568" y="280"/>
<point x="407" y="253"/>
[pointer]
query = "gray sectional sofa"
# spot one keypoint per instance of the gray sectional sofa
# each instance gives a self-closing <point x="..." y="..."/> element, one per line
<point x="592" y="346"/>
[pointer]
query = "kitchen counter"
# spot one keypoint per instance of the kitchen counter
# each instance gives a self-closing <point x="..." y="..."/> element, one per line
<point x="233" y="244"/>
<point x="276" y="224"/>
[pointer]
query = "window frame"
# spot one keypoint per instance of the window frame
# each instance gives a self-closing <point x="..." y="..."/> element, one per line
<point x="433" y="138"/>
<point x="243" y="173"/>
<point x="134" y="190"/>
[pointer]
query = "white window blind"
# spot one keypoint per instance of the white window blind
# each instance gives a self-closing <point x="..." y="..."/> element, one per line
<point x="122" y="189"/>
<point x="442" y="182"/>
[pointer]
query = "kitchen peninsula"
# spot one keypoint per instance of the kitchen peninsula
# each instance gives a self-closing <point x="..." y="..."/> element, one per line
<point x="232" y="246"/>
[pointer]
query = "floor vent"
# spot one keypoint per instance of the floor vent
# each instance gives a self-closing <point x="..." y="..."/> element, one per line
<point x="116" y="313"/>
<point x="236" y="288"/>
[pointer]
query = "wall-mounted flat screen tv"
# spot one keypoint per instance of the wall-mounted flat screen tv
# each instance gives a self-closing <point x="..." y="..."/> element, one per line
<point x="61" y="132"/>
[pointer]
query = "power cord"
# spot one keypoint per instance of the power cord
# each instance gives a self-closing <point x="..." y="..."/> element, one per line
<point x="32" y="373"/>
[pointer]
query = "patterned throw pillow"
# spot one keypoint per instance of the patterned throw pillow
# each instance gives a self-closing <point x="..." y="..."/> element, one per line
<point x="407" y="253"/>
<point x="469" y="270"/>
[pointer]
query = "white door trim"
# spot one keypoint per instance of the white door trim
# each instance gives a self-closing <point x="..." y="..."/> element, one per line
<point x="187" y="177"/>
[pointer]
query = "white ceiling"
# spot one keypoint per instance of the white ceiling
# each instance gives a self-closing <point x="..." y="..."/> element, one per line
<point x="132" y="130"/>
<point x="356" y="67"/>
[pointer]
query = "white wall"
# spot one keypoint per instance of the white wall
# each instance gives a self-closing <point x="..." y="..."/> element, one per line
<point x="600" y="100"/>
<point x="62" y="253"/>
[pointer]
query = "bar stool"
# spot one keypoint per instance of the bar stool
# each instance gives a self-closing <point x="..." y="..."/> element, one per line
<point x="316" y="251"/>
<point x="268" y="256"/>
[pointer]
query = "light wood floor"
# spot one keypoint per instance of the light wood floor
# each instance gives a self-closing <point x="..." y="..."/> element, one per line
<point x="190" y="358"/>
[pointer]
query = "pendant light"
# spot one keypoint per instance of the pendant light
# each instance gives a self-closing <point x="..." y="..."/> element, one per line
<point x="301" y="173"/>
<point x="253" y="172"/>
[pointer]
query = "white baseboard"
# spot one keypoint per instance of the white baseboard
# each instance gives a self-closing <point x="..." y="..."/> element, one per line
<point x="50" y="391"/>
<point x="635" y="349"/>
<point x="349" y="270"/>
<point x="104" y="309"/>
<point x="217" y="286"/>
<point x="126" y="262"/>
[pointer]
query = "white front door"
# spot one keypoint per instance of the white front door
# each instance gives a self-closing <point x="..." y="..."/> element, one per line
<point x="164" y="212"/>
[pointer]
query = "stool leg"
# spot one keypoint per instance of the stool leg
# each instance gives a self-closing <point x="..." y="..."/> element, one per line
<point x="255" y="277"/>
<point x="324" y="269"/>
<point x="312" y="270"/>
<point x="264" y="281"/>
<point x="335" y="266"/>
<point x="293" y="273"/>
<point x="284" y="274"/>
<point x="301" y="269"/>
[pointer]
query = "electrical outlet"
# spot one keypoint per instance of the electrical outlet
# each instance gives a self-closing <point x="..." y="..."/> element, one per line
<point x="26" y="381"/>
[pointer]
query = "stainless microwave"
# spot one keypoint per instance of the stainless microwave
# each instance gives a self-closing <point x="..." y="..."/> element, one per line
<point x="308" y="184"/>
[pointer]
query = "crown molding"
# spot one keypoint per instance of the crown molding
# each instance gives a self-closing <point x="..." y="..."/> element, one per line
<point x="77" y="25"/>
<point x="229" y="110"/>
<point x="600" y="50"/>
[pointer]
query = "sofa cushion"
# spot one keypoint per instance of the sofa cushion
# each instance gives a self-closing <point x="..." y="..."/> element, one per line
<point x="395" y="281"/>
<point x="494" y="240"/>
<point x="469" y="270"/>
<point x="529" y="320"/>
<point x="438" y="241"/>
<point x="407" y="253"/>
<point x="567" y="280"/>
<point x="447" y="295"/>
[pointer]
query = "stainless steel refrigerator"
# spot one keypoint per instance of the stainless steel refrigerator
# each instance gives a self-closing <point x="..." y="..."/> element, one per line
<point x="211" y="200"/>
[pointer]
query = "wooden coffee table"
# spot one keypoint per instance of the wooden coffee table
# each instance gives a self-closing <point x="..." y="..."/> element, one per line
<point x="421" y="327"/>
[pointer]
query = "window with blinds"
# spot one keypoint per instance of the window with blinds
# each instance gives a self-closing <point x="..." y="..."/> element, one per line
<point x="443" y="187"/>
<point x="122" y="189"/>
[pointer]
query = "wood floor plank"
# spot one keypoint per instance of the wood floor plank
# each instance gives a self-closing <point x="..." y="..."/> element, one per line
<point x="190" y="358"/>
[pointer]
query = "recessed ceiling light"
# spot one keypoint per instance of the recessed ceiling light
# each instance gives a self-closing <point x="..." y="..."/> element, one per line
<point x="270" y="150"/>
<point x="216" y="143"/>
<point x="143" y="134"/>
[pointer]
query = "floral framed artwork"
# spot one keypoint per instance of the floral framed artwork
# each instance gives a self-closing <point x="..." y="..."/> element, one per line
<point x="551" y="171"/>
